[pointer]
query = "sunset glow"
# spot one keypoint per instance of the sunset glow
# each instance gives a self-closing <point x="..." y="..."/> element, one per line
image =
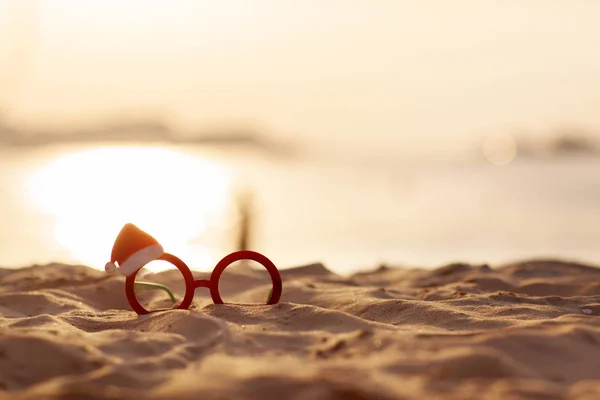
<point x="169" y="194"/>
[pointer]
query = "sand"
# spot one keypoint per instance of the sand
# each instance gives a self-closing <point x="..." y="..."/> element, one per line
<point x="528" y="330"/>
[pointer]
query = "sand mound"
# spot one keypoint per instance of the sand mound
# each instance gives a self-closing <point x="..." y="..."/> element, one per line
<point x="527" y="330"/>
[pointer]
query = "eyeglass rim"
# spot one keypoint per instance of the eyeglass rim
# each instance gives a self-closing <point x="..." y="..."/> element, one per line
<point x="212" y="284"/>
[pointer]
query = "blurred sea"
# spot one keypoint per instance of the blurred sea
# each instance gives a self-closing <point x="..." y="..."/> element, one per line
<point x="354" y="215"/>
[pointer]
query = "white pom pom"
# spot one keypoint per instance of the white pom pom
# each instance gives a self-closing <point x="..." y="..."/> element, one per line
<point x="110" y="268"/>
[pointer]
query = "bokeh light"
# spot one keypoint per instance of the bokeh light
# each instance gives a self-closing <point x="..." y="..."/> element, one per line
<point x="500" y="148"/>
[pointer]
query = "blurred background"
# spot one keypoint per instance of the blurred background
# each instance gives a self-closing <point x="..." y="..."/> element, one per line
<point x="348" y="132"/>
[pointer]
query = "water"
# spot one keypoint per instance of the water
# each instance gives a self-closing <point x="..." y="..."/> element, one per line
<point x="353" y="215"/>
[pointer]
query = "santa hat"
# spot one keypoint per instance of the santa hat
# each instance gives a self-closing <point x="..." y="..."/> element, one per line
<point x="132" y="250"/>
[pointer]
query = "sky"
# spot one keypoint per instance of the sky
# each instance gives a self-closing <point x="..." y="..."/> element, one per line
<point x="426" y="77"/>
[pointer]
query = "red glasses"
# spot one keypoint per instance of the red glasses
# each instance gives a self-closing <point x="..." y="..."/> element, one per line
<point x="134" y="248"/>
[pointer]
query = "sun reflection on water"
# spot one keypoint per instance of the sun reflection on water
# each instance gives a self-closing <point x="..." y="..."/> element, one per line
<point x="91" y="194"/>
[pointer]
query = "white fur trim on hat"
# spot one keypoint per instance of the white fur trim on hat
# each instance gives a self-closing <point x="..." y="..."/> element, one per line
<point x="141" y="258"/>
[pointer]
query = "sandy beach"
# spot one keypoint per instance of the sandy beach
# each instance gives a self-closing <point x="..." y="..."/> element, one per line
<point x="527" y="330"/>
<point x="423" y="175"/>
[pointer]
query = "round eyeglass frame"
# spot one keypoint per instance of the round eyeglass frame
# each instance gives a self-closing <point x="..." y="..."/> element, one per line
<point x="212" y="284"/>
